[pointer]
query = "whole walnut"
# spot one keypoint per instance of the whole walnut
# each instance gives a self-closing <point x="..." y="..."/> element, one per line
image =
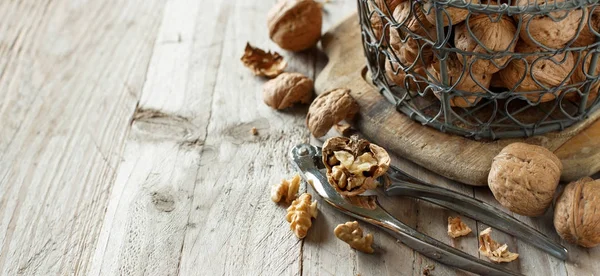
<point x="353" y="164"/>
<point x="586" y="36"/>
<point x="576" y="215"/>
<point x="543" y="29"/>
<point x="523" y="178"/>
<point x="295" y="25"/>
<point x="494" y="35"/>
<point x="330" y="108"/>
<point x="413" y="21"/>
<point x="579" y="77"/>
<point x="414" y="78"/>
<point x="287" y="89"/>
<point x="550" y="70"/>
<point x="460" y="79"/>
<point x="451" y="15"/>
<point x="377" y="21"/>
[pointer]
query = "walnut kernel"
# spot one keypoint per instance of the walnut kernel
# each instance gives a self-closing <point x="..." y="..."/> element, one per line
<point x="576" y="215"/>
<point x="287" y="89"/>
<point x="353" y="164"/>
<point x="295" y="25"/>
<point x="263" y="63"/>
<point x="287" y="189"/>
<point x="300" y="213"/>
<point x="330" y="108"/>
<point x="457" y="228"/>
<point x="493" y="250"/>
<point x="351" y="233"/>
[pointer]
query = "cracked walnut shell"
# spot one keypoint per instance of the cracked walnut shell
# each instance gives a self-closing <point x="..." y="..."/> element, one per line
<point x="263" y="63"/>
<point x="523" y="178"/>
<point x="353" y="164"/>
<point x="494" y="35"/>
<point x="493" y="250"/>
<point x="300" y="213"/>
<point x="549" y="70"/>
<point x="457" y="228"/>
<point x="287" y="89"/>
<point x="577" y="213"/>
<point x="295" y="25"/>
<point x="286" y="190"/>
<point x="330" y="108"/>
<point x="351" y="233"/>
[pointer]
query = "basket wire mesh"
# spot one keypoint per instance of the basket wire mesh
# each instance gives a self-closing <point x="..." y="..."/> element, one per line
<point x="430" y="94"/>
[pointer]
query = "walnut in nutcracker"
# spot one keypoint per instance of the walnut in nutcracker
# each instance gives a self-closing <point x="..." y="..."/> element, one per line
<point x="494" y="35"/>
<point x="576" y="215"/>
<point x="300" y="213"/>
<point x="295" y="25"/>
<point x="353" y="164"/>
<point x="330" y="108"/>
<point x="524" y="177"/>
<point x="287" y="89"/>
<point x="461" y="80"/>
<point x="543" y="29"/>
<point x="550" y="70"/>
<point x="351" y="233"/>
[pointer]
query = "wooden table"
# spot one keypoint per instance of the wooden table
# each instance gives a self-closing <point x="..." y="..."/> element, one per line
<point x="125" y="150"/>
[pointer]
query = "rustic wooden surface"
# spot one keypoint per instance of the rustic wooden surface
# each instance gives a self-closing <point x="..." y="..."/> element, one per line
<point x="125" y="150"/>
<point x="461" y="159"/>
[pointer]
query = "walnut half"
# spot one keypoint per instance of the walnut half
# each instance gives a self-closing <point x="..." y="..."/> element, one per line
<point x="351" y="233"/>
<point x="353" y="164"/>
<point x="287" y="189"/>
<point x="493" y="250"/>
<point x="457" y="228"/>
<point x="299" y="215"/>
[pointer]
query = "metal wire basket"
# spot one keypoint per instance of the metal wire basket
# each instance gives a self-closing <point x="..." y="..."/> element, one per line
<point x="534" y="83"/>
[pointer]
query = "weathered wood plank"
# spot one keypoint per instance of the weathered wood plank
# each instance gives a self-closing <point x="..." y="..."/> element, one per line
<point x="70" y="75"/>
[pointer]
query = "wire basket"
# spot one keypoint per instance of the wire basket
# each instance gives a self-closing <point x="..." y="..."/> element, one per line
<point x="485" y="69"/>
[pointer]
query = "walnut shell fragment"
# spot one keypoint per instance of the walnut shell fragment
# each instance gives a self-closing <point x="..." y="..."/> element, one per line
<point x="351" y="233"/>
<point x="330" y="108"/>
<point x="457" y="228"/>
<point x="576" y="215"/>
<point x="493" y="250"/>
<point x="524" y="177"/>
<point x="286" y="190"/>
<point x="300" y="213"/>
<point x="261" y="63"/>
<point x="494" y="34"/>
<point x="295" y="25"/>
<point x="287" y="89"/>
<point x="353" y="165"/>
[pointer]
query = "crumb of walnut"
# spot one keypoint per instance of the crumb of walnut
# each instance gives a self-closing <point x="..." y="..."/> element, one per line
<point x="300" y="213"/>
<point x="287" y="189"/>
<point x="457" y="228"/>
<point x="254" y="131"/>
<point x="353" y="164"/>
<point x="428" y="269"/>
<point x="351" y="233"/>
<point x="493" y="250"/>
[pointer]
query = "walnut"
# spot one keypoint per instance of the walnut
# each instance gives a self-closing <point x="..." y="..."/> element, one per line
<point x="543" y="29"/>
<point x="457" y="228"/>
<point x="586" y="36"/>
<point x="300" y="213"/>
<point x="579" y="76"/>
<point x="576" y="215"/>
<point x="351" y="233"/>
<point x="416" y="74"/>
<point x="523" y="178"/>
<point x="295" y="25"/>
<point x="263" y="63"/>
<point x="494" y="34"/>
<point x="451" y="15"/>
<point x="330" y="108"/>
<point x="493" y="250"/>
<point x="287" y="89"/>
<point x="549" y="70"/>
<point x="353" y="164"/>
<point x="287" y="189"/>
<point x="413" y="21"/>
<point x="377" y="23"/>
<point x="461" y="80"/>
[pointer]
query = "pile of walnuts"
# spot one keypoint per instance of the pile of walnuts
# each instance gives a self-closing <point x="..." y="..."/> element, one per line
<point x="483" y="59"/>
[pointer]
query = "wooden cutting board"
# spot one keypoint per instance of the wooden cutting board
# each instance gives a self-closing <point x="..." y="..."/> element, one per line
<point x="455" y="157"/>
